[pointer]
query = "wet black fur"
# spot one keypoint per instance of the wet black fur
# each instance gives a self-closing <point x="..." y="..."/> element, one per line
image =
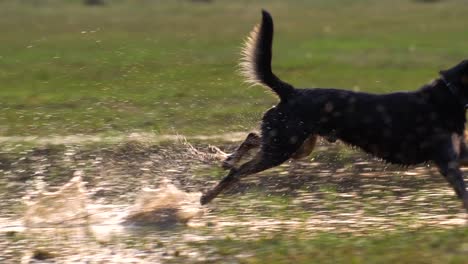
<point x="403" y="128"/>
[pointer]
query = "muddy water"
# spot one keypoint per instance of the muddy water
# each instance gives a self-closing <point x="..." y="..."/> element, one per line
<point x="137" y="202"/>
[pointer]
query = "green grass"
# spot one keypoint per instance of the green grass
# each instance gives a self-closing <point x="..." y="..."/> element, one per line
<point x="415" y="246"/>
<point x="170" y="66"/>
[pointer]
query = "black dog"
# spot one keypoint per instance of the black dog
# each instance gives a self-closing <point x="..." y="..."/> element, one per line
<point x="403" y="128"/>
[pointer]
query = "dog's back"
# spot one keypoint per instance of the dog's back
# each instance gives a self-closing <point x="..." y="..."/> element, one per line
<point x="398" y="127"/>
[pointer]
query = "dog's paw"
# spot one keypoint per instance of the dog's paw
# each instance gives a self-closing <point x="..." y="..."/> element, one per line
<point x="206" y="198"/>
<point x="203" y="200"/>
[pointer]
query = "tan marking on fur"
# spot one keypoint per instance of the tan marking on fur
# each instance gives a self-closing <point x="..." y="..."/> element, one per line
<point x="247" y="63"/>
<point x="463" y="162"/>
<point x="306" y="148"/>
<point x="456" y="142"/>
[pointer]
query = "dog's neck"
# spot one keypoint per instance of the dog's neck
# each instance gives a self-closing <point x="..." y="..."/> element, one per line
<point x="449" y="85"/>
<point x="452" y="88"/>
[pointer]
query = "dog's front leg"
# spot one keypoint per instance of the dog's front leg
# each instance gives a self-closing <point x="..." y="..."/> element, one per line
<point x="255" y="165"/>
<point x="449" y="166"/>
<point x="259" y="163"/>
<point x="454" y="176"/>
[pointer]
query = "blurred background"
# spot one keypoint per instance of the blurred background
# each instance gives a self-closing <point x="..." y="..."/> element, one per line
<point x="96" y="97"/>
<point x="94" y="67"/>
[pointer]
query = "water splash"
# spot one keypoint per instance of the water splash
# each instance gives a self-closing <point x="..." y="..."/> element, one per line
<point x="71" y="206"/>
<point x="68" y="206"/>
<point x="164" y="206"/>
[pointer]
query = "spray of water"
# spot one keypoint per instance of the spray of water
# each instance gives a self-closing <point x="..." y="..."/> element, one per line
<point x="164" y="206"/>
<point x="68" y="206"/>
<point x="71" y="206"/>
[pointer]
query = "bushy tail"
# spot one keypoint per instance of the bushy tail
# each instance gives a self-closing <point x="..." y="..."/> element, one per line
<point x="256" y="59"/>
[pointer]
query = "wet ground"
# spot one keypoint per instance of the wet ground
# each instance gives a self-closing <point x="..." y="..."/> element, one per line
<point x="337" y="189"/>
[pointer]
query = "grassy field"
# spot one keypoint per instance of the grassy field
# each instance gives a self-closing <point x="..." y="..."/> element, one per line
<point x="170" y="66"/>
<point x="433" y="246"/>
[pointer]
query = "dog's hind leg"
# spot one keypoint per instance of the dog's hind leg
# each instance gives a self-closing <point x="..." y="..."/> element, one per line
<point x="281" y="137"/>
<point x="262" y="161"/>
<point x="252" y="141"/>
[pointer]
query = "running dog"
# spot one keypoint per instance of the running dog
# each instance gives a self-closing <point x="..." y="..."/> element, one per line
<point x="426" y="125"/>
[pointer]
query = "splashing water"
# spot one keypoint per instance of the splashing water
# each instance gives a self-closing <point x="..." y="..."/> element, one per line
<point x="68" y="206"/>
<point x="164" y="206"/>
<point x="71" y="206"/>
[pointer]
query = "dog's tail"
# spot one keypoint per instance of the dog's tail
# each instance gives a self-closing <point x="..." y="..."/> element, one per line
<point x="256" y="59"/>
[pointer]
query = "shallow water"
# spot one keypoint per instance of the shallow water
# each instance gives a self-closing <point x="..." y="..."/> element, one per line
<point x="137" y="202"/>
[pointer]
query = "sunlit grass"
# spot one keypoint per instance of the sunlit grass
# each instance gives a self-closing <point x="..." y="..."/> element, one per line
<point x="417" y="246"/>
<point x="168" y="66"/>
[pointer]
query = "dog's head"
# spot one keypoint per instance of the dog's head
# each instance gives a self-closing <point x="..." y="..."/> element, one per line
<point x="457" y="79"/>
